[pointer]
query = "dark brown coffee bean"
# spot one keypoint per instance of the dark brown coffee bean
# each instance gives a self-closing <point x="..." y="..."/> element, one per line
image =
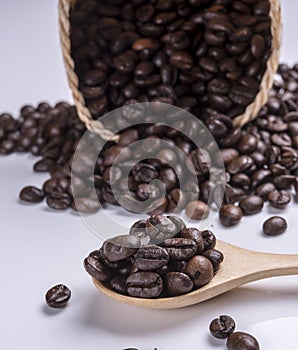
<point x="284" y="182"/>
<point x="197" y="210"/>
<point x="32" y="194"/>
<point x="251" y="205"/>
<point x="144" y="285"/>
<point x="150" y="258"/>
<point x="248" y="144"/>
<point x="240" y="164"/>
<point x="222" y="327"/>
<point x="209" y="239"/>
<point x="86" y="205"/>
<point x="258" y="45"/>
<point x="120" y="247"/>
<point x="195" y="235"/>
<point x="177" y="283"/>
<point x="215" y="256"/>
<point x="94" y="266"/>
<point x="242" y="341"/>
<point x="279" y="199"/>
<point x="180" y="248"/>
<point x="230" y="215"/>
<point x="144" y="13"/>
<point x="58" y="296"/>
<point x="200" y="270"/>
<point x="181" y="60"/>
<point x="264" y="190"/>
<point x="274" y="226"/>
<point x="161" y="227"/>
<point x="118" y="284"/>
<point x="241" y="180"/>
<point x="58" y="200"/>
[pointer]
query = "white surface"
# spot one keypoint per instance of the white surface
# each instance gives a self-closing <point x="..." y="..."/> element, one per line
<point x="39" y="248"/>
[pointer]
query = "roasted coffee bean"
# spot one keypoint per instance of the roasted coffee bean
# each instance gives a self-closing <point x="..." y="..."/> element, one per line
<point x="279" y="199"/>
<point x="94" y="266"/>
<point x="241" y="180"/>
<point x="144" y="285"/>
<point x="215" y="256"/>
<point x="230" y="214"/>
<point x="284" y="182"/>
<point x="58" y="200"/>
<point x="180" y="248"/>
<point x="181" y="60"/>
<point x="264" y="190"/>
<point x="32" y="194"/>
<point x="242" y="341"/>
<point x="248" y="144"/>
<point x="222" y="327"/>
<point x="118" y="284"/>
<point x="58" y="296"/>
<point x="138" y="229"/>
<point x="178" y="283"/>
<point x="200" y="270"/>
<point x="274" y="226"/>
<point x="251" y="205"/>
<point x="150" y="258"/>
<point x="161" y="227"/>
<point x="195" y="235"/>
<point x="120" y="247"/>
<point x="240" y="164"/>
<point x="86" y="205"/>
<point x="209" y="239"/>
<point x="197" y="210"/>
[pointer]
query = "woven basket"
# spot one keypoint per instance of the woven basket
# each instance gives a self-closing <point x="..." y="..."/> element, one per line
<point x="251" y="110"/>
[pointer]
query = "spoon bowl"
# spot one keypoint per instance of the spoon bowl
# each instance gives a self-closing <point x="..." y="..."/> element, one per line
<point x="240" y="266"/>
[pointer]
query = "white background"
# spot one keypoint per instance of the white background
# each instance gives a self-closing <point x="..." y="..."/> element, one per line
<point x="39" y="248"/>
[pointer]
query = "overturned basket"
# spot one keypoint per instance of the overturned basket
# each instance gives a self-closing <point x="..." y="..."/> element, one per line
<point x="251" y="109"/>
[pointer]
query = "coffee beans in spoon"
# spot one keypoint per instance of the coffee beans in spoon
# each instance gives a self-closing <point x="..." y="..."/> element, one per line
<point x="174" y="266"/>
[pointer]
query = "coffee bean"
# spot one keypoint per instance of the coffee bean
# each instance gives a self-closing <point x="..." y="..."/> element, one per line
<point x="178" y="283"/>
<point x="58" y="200"/>
<point x="274" y="226"/>
<point x="230" y="214"/>
<point x="58" y="296"/>
<point x="94" y="266"/>
<point x="242" y="341"/>
<point x="180" y="248"/>
<point x="118" y="284"/>
<point x="251" y="205"/>
<point x="32" y="194"/>
<point x="222" y="327"/>
<point x="197" y="210"/>
<point x="200" y="270"/>
<point x="181" y="60"/>
<point x="195" y="235"/>
<point x="161" y="227"/>
<point x="150" y="258"/>
<point x="215" y="256"/>
<point x="264" y="190"/>
<point x="86" y="205"/>
<point x="144" y="285"/>
<point x="279" y="199"/>
<point x="120" y="247"/>
<point x="209" y="239"/>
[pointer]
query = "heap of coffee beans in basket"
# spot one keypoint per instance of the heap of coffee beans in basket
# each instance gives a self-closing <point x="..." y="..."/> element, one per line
<point x="159" y="257"/>
<point x="260" y="159"/>
<point x="204" y="56"/>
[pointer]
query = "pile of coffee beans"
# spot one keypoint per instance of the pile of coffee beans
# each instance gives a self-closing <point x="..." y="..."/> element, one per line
<point x="159" y="257"/>
<point x="223" y="327"/>
<point x="58" y="296"/>
<point x="261" y="159"/>
<point x="204" y="56"/>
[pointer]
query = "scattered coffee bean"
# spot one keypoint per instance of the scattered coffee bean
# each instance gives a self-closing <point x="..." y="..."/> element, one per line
<point x="230" y="214"/>
<point x="222" y="327"/>
<point x="242" y="341"/>
<point x="251" y="205"/>
<point x="32" y="194"/>
<point x="279" y="199"/>
<point x="197" y="210"/>
<point x="58" y="296"/>
<point x="274" y="226"/>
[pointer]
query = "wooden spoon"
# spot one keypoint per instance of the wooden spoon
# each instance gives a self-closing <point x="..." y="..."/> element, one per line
<point x="240" y="266"/>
